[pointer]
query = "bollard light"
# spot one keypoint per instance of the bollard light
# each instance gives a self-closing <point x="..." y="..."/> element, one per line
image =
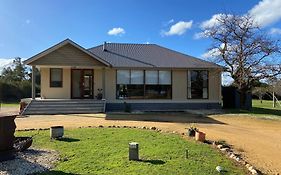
<point x="133" y="151"/>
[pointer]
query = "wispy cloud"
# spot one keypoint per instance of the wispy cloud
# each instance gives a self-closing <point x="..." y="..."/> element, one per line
<point x="266" y="12"/>
<point x="171" y="21"/>
<point x="28" y="21"/>
<point x="213" y="21"/>
<point x="275" y="31"/>
<point x="117" y="31"/>
<point x="4" y="63"/>
<point x="178" y="29"/>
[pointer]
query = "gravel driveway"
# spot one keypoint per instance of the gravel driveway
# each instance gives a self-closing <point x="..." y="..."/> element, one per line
<point x="259" y="140"/>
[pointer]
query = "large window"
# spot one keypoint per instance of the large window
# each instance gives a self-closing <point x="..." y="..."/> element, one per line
<point x="197" y="84"/>
<point x="130" y="84"/>
<point x="139" y="84"/>
<point x="55" y="77"/>
<point x="158" y="85"/>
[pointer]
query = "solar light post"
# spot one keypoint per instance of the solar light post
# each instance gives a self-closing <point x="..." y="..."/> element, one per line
<point x="133" y="151"/>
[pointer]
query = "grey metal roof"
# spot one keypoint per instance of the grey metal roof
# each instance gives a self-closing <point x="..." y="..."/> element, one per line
<point x="147" y="55"/>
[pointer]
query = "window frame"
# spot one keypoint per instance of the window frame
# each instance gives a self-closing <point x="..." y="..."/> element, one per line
<point x="144" y="85"/>
<point x="61" y="75"/>
<point x="189" y="87"/>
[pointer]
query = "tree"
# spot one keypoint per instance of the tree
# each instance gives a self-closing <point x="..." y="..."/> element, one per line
<point x="15" y="82"/>
<point x="16" y="73"/>
<point x="244" y="49"/>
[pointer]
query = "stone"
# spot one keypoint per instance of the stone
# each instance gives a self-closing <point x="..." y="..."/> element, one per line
<point x="232" y="156"/>
<point x="253" y="171"/>
<point x="153" y="128"/>
<point x="219" y="146"/>
<point x="100" y="126"/>
<point x="224" y="149"/>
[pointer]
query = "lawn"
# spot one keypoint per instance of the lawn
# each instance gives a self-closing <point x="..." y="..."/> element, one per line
<point x="105" y="151"/>
<point x="9" y="104"/>
<point x="260" y="110"/>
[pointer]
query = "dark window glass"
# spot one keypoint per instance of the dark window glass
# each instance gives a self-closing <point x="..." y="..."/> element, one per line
<point x="55" y="77"/>
<point x="127" y="91"/>
<point x="132" y="84"/>
<point x="158" y="91"/>
<point x="198" y="84"/>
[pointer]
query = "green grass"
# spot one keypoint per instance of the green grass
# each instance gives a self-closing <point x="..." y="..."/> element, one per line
<point x="105" y="151"/>
<point x="262" y="110"/>
<point x="15" y="104"/>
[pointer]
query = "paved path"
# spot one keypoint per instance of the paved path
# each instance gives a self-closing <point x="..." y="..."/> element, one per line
<point x="258" y="139"/>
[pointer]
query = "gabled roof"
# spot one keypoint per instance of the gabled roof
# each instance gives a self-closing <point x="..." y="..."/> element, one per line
<point x="147" y="56"/>
<point x="121" y="55"/>
<point x="59" y="45"/>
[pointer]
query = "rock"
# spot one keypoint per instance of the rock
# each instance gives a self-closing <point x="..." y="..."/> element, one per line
<point x="100" y="126"/>
<point x="253" y="171"/>
<point x="237" y="159"/>
<point x="248" y="166"/>
<point x="143" y="127"/>
<point x="219" y="168"/>
<point x="153" y="128"/>
<point x="224" y="149"/>
<point x="232" y="156"/>
<point x="219" y="146"/>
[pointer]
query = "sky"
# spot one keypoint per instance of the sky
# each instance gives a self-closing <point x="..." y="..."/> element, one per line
<point x="31" y="26"/>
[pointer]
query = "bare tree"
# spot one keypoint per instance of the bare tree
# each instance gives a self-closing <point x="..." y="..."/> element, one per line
<point x="244" y="49"/>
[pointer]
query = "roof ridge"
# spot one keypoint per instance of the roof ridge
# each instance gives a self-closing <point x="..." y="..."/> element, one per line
<point x="100" y="45"/>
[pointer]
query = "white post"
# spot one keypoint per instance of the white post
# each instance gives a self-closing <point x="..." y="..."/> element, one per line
<point x="273" y="99"/>
<point x="103" y="83"/>
<point x="33" y="83"/>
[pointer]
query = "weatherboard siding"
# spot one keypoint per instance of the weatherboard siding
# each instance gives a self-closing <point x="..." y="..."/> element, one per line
<point x="67" y="55"/>
<point x="55" y="92"/>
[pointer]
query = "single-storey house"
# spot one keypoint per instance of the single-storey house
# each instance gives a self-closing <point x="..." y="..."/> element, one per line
<point x="145" y="76"/>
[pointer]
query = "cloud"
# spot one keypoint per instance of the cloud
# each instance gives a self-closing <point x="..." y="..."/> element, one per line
<point x="211" y="53"/>
<point x="211" y="22"/>
<point x="5" y="63"/>
<point x="179" y="28"/>
<point x="266" y="12"/>
<point x="28" y="21"/>
<point x="116" y="31"/>
<point x="171" y="21"/>
<point x="275" y="31"/>
<point x="227" y="80"/>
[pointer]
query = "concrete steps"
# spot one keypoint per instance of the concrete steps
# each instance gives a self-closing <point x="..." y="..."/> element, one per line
<point x="83" y="106"/>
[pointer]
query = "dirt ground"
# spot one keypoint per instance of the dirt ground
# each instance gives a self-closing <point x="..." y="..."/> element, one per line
<point x="259" y="140"/>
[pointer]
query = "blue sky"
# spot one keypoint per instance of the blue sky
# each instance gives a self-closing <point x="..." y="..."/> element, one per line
<point x="30" y="26"/>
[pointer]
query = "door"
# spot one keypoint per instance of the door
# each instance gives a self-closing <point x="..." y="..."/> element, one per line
<point x="82" y="83"/>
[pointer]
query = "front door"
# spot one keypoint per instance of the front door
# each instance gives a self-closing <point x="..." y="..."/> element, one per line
<point x="82" y="83"/>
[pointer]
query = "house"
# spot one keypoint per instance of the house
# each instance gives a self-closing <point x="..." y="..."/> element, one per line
<point x="145" y="76"/>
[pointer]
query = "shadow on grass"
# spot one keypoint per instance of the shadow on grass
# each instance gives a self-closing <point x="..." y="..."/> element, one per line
<point x="178" y="117"/>
<point x="54" y="172"/>
<point x="255" y="110"/>
<point x="67" y="139"/>
<point x="154" y="162"/>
